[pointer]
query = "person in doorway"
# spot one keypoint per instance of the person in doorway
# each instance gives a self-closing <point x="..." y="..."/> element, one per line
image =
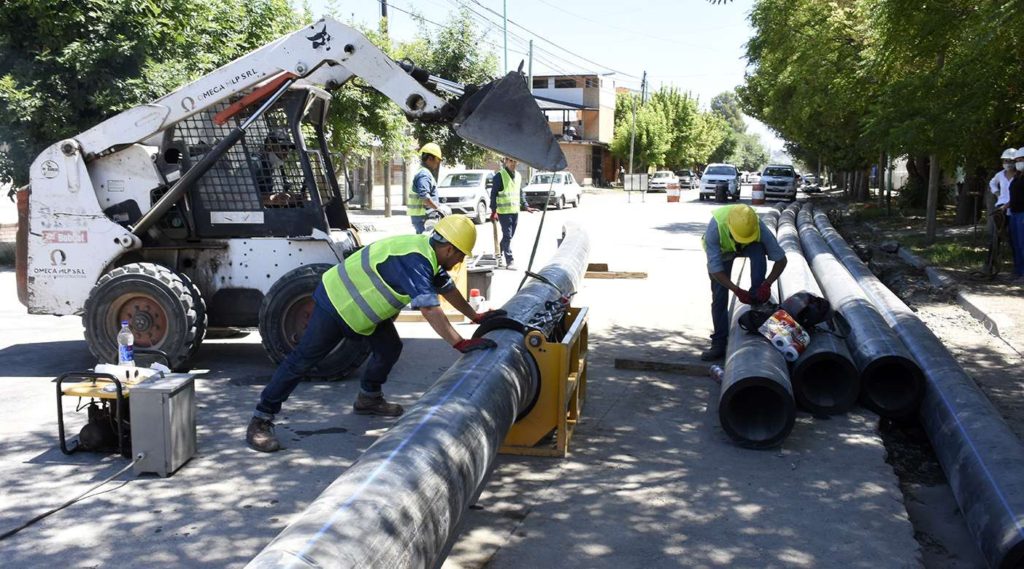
<point x="506" y="202"/>
<point x="358" y="299"/>
<point x="1015" y="213"/>
<point x="735" y="231"/>
<point x="423" y="191"/>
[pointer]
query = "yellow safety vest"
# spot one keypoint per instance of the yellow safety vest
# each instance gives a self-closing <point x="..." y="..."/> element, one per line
<point x="725" y="241"/>
<point x="358" y="292"/>
<point x="508" y="198"/>
<point x="414" y="204"/>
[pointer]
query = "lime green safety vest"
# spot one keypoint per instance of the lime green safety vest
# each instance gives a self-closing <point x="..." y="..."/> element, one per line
<point x="414" y="205"/>
<point x="358" y="292"/>
<point x="508" y="198"/>
<point x="727" y="245"/>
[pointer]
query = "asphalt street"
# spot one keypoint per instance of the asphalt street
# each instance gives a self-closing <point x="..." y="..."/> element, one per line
<point x="651" y="480"/>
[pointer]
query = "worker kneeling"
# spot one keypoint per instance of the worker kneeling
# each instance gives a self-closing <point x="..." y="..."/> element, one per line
<point x="735" y="231"/>
<point x="358" y="299"/>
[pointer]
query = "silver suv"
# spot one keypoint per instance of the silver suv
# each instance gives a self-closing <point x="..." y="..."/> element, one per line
<point x="779" y="181"/>
<point x="720" y="173"/>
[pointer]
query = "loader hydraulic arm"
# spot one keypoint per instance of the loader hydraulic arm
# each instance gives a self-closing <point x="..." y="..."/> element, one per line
<point x="326" y="53"/>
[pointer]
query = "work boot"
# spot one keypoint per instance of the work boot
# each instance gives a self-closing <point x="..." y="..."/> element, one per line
<point x="510" y="266"/>
<point x="376" y="405"/>
<point x="260" y="435"/>
<point x="713" y="353"/>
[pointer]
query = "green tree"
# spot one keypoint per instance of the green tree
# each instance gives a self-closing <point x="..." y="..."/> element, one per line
<point x="749" y="154"/>
<point x="727" y="106"/>
<point x="653" y="134"/>
<point x="67" y="65"/>
<point x="453" y="52"/>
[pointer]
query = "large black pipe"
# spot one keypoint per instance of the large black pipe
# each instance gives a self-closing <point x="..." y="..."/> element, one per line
<point x="982" y="458"/>
<point x="755" y="407"/>
<point x="891" y="381"/>
<point x="399" y="505"/>
<point x="825" y="381"/>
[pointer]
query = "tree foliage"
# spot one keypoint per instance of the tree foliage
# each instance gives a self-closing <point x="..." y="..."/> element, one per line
<point x="66" y="65"/>
<point x="671" y="130"/>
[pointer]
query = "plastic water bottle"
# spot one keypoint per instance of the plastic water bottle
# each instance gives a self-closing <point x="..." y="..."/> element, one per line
<point x="716" y="372"/>
<point x="125" y="341"/>
<point x="475" y="300"/>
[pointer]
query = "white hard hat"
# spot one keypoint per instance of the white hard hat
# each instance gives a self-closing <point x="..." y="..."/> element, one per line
<point x="1019" y="153"/>
<point x="1009" y="153"/>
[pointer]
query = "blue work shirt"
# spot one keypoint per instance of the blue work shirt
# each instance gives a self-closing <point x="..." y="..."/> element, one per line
<point x="424" y="185"/>
<point x="409" y="275"/>
<point x="717" y="258"/>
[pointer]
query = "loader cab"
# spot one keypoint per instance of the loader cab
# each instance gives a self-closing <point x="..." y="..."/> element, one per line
<point x="277" y="181"/>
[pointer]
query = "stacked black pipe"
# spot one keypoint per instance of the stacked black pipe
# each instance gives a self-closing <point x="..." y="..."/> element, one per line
<point x="891" y="381"/>
<point x="981" y="456"/>
<point x="825" y="381"/>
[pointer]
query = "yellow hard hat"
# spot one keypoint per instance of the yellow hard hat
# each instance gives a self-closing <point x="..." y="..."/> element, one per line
<point x="743" y="224"/>
<point x="459" y="231"/>
<point x="432" y="149"/>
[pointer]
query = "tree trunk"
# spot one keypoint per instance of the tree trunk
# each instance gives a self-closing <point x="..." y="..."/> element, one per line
<point x="963" y="199"/>
<point x="405" y="181"/>
<point x="933" y="198"/>
<point x="855" y="190"/>
<point x="368" y="203"/>
<point x="916" y="170"/>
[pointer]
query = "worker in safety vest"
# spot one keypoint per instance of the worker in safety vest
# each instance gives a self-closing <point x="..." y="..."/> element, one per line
<point x="423" y="191"/>
<point x="735" y="231"/>
<point x="506" y="202"/>
<point x="358" y="299"/>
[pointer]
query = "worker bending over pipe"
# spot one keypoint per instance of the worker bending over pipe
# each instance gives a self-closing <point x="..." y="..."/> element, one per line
<point x="735" y="231"/>
<point x="358" y="299"/>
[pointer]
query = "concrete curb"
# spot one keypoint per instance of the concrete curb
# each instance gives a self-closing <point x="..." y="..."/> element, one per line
<point x="936" y="276"/>
<point x="971" y="304"/>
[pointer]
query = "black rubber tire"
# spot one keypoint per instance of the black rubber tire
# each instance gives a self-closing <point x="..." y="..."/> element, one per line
<point x="700" y="197"/>
<point x="576" y="202"/>
<point x="481" y="213"/>
<point x="161" y="285"/>
<point x="298" y="286"/>
<point x="561" y="201"/>
<point x="199" y="305"/>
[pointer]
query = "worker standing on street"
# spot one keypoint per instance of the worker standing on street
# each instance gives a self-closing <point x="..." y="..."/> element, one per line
<point x="506" y="202"/>
<point x="1015" y="211"/>
<point x="735" y="231"/>
<point x="999" y="185"/>
<point x="358" y="299"/>
<point x="423" y="191"/>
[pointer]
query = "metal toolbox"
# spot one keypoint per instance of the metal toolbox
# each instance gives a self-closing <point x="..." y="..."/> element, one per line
<point x="163" y="416"/>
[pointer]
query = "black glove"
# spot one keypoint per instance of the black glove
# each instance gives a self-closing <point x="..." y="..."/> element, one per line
<point x="484" y="317"/>
<point x="466" y="346"/>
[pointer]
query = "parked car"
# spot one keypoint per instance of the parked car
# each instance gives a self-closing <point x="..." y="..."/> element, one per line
<point x="688" y="179"/>
<point x="716" y="173"/>
<point x="557" y="188"/>
<point x="468" y="192"/>
<point x="662" y="181"/>
<point x="811" y="185"/>
<point x="780" y="181"/>
<point x="755" y="178"/>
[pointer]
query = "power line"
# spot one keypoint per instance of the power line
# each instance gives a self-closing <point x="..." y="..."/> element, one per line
<point x="627" y="30"/>
<point x="566" y="50"/>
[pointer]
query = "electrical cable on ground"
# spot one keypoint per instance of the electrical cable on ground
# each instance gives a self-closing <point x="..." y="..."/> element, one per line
<point x="47" y="513"/>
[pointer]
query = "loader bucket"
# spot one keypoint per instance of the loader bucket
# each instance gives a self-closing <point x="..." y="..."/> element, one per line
<point x="504" y="117"/>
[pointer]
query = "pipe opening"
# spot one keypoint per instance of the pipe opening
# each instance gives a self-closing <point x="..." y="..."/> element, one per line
<point x="892" y="387"/>
<point x="826" y="385"/>
<point x="757" y="415"/>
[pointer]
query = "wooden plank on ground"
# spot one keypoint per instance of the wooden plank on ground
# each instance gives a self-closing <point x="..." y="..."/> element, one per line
<point x="417" y="316"/>
<point x="615" y="275"/>
<point x="597" y="267"/>
<point x="682" y="367"/>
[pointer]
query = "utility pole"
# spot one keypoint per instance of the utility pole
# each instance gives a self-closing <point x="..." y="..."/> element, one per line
<point x="386" y="156"/>
<point x="504" y="18"/>
<point x="632" y="134"/>
<point x="529" y="69"/>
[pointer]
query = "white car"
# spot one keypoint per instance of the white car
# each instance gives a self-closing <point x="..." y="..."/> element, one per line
<point x="754" y="178"/>
<point x="468" y="192"/>
<point x="662" y="181"/>
<point x="720" y="173"/>
<point x="556" y="188"/>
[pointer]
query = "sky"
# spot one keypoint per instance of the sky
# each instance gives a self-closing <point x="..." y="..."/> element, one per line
<point x="691" y="44"/>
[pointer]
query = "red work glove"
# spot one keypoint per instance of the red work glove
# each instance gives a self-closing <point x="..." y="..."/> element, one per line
<point x="484" y="317"/>
<point x="744" y="297"/>
<point x="466" y="346"/>
<point x="763" y="292"/>
<point x="494" y="215"/>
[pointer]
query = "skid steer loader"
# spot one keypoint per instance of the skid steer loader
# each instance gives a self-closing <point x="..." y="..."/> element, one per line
<point x="218" y="205"/>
